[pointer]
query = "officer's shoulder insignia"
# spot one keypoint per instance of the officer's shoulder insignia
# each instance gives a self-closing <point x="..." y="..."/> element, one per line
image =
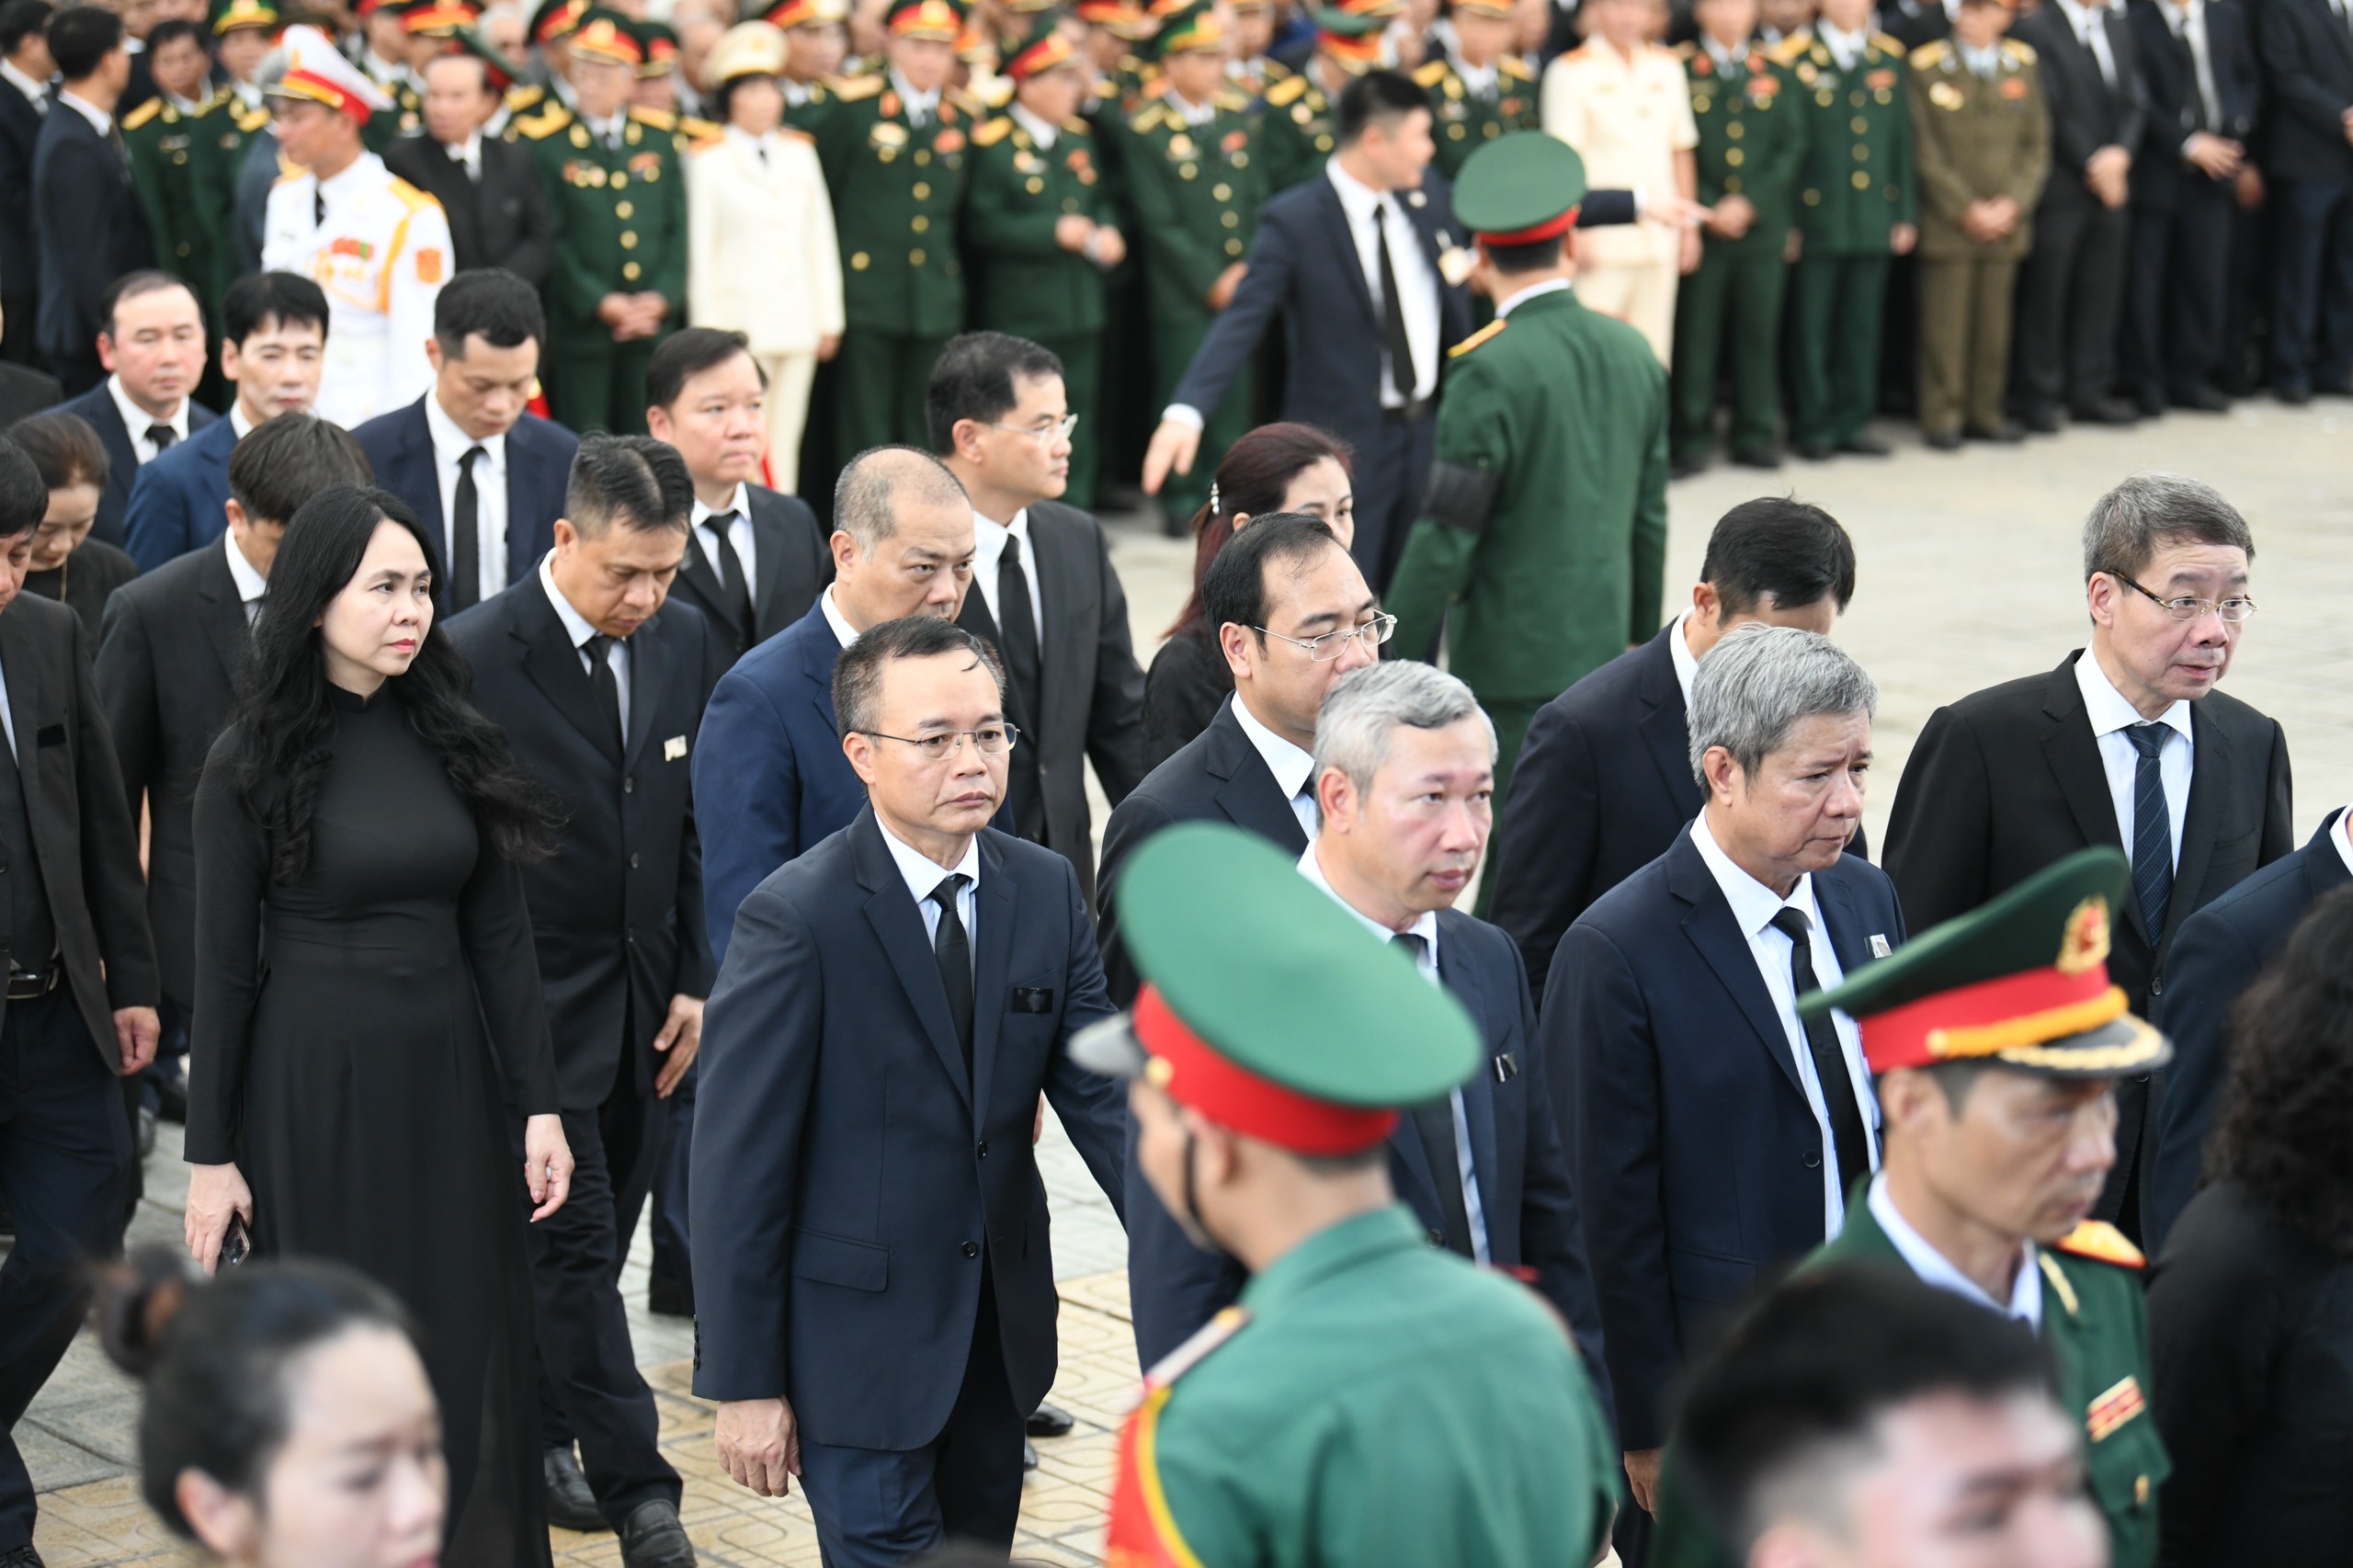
<point x="990" y="132"/>
<point x="546" y="123"/>
<point x="143" y="114"/>
<point x="1685" y="49"/>
<point x="858" y="89"/>
<point x="1276" y="71"/>
<point x="1888" y="45"/>
<point x="791" y="133"/>
<point x="1231" y="100"/>
<point x="1511" y="66"/>
<point x="250" y="121"/>
<point x="2019" y="50"/>
<point x="694" y="132"/>
<point x="998" y="94"/>
<point x="2114" y="1407"/>
<point x="1196" y="1350"/>
<point x="2102" y="1242"/>
<point x="522" y="100"/>
<point x="1791" y="49"/>
<point x="1286" y="92"/>
<point x="1486" y="334"/>
<point x="1431" y="74"/>
<point x="409" y="195"/>
<point x="1075" y="126"/>
<point x="1147" y="120"/>
<point x="287" y="174"/>
<point x="659" y="119"/>
<point x="1928" y="56"/>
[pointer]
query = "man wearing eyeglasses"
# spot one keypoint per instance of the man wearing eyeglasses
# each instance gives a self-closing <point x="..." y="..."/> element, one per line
<point x="2126" y="742"/>
<point x="1048" y="600"/>
<point x="874" y="1288"/>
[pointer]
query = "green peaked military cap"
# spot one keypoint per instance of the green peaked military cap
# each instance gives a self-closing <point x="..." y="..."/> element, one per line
<point x="1520" y="188"/>
<point x="1189" y="28"/>
<point x="1354" y="18"/>
<point x="2022" y="981"/>
<point x="1270" y="1008"/>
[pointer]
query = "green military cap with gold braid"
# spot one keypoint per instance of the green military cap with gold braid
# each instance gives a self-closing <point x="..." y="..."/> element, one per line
<point x="2022" y="981"/>
<point x="495" y="69"/>
<point x="1187" y="29"/>
<point x="556" y="18"/>
<point x="1520" y="189"/>
<point x="607" y="35"/>
<point x="1349" y="30"/>
<point x="1037" y="44"/>
<point x="228" y="15"/>
<point x="659" y="42"/>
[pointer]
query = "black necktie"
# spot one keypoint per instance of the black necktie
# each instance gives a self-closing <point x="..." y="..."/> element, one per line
<point x="458" y="157"/>
<point x="1829" y="1061"/>
<point x="161" y="437"/>
<point x="1018" y="629"/>
<point x="465" y="545"/>
<point x="2152" y="829"/>
<point x="954" y="951"/>
<point x="1435" y="1121"/>
<point x="607" y="687"/>
<point x="734" y="585"/>
<point x="318" y="207"/>
<point x="1400" y="348"/>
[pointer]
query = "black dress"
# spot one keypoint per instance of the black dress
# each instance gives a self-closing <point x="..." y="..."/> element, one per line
<point x="1187" y="683"/>
<point x="340" y="1056"/>
<point x="86" y="580"/>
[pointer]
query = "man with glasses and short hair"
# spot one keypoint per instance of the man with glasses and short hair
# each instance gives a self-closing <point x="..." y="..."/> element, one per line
<point x="2126" y="742"/>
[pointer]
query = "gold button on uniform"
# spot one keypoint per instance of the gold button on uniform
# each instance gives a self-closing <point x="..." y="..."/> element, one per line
<point x="1222" y="192"/>
<point x="1859" y="126"/>
<point x="923" y="156"/>
<point x="1734" y="157"/>
<point x="1862" y="180"/>
<point x="1187" y="171"/>
<point x="624" y="210"/>
<point x="922" y="191"/>
<point x="1732" y="184"/>
<point x="1812" y="199"/>
<point x="1231" y="219"/>
<point x="629" y="271"/>
<point x="1233" y="247"/>
<point x="621" y="178"/>
<point x="861" y="261"/>
<point x="920" y="225"/>
<point x="1033" y="184"/>
<point x="914" y="258"/>
<point x="1734" y="130"/>
<point x="1862" y="152"/>
<point x="629" y="239"/>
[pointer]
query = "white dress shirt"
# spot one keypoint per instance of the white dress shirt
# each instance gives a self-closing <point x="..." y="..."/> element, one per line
<point x="2090" y="25"/>
<point x="2186" y="20"/>
<point x="1533" y="291"/>
<point x="1846" y="48"/>
<point x="843" y="630"/>
<point x="988" y="549"/>
<point x="252" y="587"/>
<point x="467" y="152"/>
<point x="739" y="534"/>
<point x="607" y="133"/>
<point x="1417" y="281"/>
<point x="1752" y="907"/>
<point x="1687" y="663"/>
<point x="2342" y="838"/>
<point x="100" y="121"/>
<point x="2112" y="716"/>
<point x="577" y="626"/>
<point x="237" y="420"/>
<point x="449" y="444"/>
<point x="923" y="874"/>
<point x="922" y="107"/>
<point x="1466" y="1171"/>
<point x="137" y="420"/>
<point x="1041" y="131"/>
<point x="8" y="717"/>
<point x="36" y="93"/>
<point x="2025" y="1304"/>
<point x="1293" y="769"/>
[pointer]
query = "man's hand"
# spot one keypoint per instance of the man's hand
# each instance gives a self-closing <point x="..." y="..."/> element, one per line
<point x="1793" y="248"/>
<point x="547" y="1163"/>
<point x="1672" y="210"/>
<point x="2249" y="188"/>
<point x="1222" y="292"/>
<point x="1731" y="217"/>
<point x="1173" y="447"/>
<point x="1107" y="248"/>
<point x="827" y="346"/>
<point x="759" y="1444"/>
<point x="681" y="1037"/>
<point x="651" y="310"/>
<point x="214" y="1192"/>
<point x="1642" y="1469"/>
<point x="1901" y="238"/>
<point x="2212" y="155"/>
<point x="1073" y="230"/>
<point x="136" y="1030"/>
<point x="1686" y="252"/>
<point x="2108" y="173"/>
<point x="1977" y="225"/>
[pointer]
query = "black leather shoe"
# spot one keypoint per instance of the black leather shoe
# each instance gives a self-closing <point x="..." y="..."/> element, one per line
<point x="21" y="1557"/>
<point x="652" y="1537"/>
<point x="1814" y="451"/>
<point x="1758" y="457"/>
<point x="1863" y="444"/>
<point x="1942" y="440"/>
<point x="1029" y="1455"/>
<point x="2335" y="389"/>
<point x="2009" y="433"/>
<point x="2295" y="394"/>
<point x="171" y="1095"/>
<point x="571" y="1506"/>
<point x="1050" y="1421"/>
<point x="146" y="1132"/>
<point x="2042" y="420"/>
<point x="2203" y="400"/>
<point x="669" y="1298"/>
<point x="2107" y="410"/>
<point x="1686" y="466"/>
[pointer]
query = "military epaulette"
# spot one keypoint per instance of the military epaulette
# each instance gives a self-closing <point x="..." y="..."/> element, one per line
<point x="250" y="120"/>
<point x="409" y="195"/>
<point x="1431" y="74"/>
<point x="660" y="119"/>
<point x="1231" y="100"/>
<point x="1687" y="50"/>
<point x="539" y="126"/>
<point x="963" y="100"/>
<point x="1791" y="49"/>
<point x="521" y="100"/>
<point x="143" y="114"/>
<point x="696" y="132"/>
<point x="1887" y="43"/>
<point x="2019" y="50"/>
<point x="1491" y="330"/>
<point x="1074" y="126"/>
<point x="1196" y="1350"/>
<point x="1515" y="68"/>
<point x="2102" y="1242"/>
<point x="1148" y="119"/>
<point x="791" y="133"/>
<point x="998" y="95"/>
<point x="990" y="132"/>
<point x="1928" y="56"/>
<point x="858" y="89"/>
<point x="1284" y="93"/>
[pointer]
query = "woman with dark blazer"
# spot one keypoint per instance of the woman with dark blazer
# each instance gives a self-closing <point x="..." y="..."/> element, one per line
<point x="2251" y="1306"/>
<point x="67" y="564"/>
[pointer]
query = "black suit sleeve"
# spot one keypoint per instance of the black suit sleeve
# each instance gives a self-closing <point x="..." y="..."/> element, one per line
<point x="2131" y="85"/>
<point x="2209" y="967"/>
<point x="77" y="167"/>
<point x="111" y="880"/>
<point x="1607" y="209"/>
<point x="233" y="857"/>
<point x="1115" y="741"/>
<point x="1091" y="1107"/>
<point x="697" y="967"/>
<point x="1233" y="337"/>
<point x="2278" y="792"/>
<point x="1941" y="835"/>
<point x="533" y="257"/>
<point x="1136" y="819"/>
<point x="125" y="673"/>
<point x="1544" y="855"/>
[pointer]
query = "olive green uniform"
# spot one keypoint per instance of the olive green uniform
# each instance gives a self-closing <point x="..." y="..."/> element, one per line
<point x="1752" y="142"/>
<point x="1464" y="118"/>
<point x="161" y="141"/>
<point x="1854" y="188"/>
<point x="1974" y="139"/>
<point x="1296" y="132"/>
<point x="216" y="157"/>
<point x="620" y="216"/>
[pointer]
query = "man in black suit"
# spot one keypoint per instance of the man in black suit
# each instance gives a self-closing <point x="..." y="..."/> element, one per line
<point x="1715" y="1136"/>
<point x="601" y="692"/>
<point x="80" y="1008"/>
<point x="2126" y="742"/>
<point x="489" y="187"/>
<point x="1293" y="615"/>
<point x="2071" y="291"/>
<point x="874" y="1285"/>
<point x="1918" y="22"/>
<point x="88" y="221"/>
<point x="151" y="344"/>
<point x="2307" y="48"/>
<point x="486" y="475"/>
<point x="25" y="69"/>
<point x="1609" y="759"/>
<point x="2198" y="69"/>
<point x="755" y="560"/>
<point x="1048" y="598"/>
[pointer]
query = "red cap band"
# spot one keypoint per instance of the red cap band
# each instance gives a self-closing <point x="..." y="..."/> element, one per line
<point x="1990" y="1017"/>
<point x="1189" y="1071"/>
<point x="1551" y="229"/>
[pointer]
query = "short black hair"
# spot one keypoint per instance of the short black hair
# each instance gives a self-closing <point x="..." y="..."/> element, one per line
<point x="1510" y="261"/>
<point x="21" y="18"/>
<point x="171" y="30"/>
<point x="1234" y="591"/>
<point x="1780" y="547"/>
<point x="262" y="300"/>
<point x="635" y="481"/>
<point x="974" y="378"/>
<point x="491" y="303"/>
<point x="130" y="285"/>
<point x="81" y="36"/>
<point x="1375" y="97"/>
<point x="687" y="353"/>
<point x="282" y="462"/>
<point x="24" y="499"/>
<point x="1813" y="1366"/>
<point x="857" y="674"/>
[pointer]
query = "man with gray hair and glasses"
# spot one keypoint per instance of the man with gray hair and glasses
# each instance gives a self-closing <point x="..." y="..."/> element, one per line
<point x="1714" y="1135"/>
<point x="2126" y="742"/>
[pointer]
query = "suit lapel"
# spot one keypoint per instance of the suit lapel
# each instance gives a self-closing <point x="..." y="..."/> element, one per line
<point x="821" y="680"/>
<point x="553" y="664"/>
<point x="1343" y="242"/>
<point x="19" y="657"/>
<point x="898" y="926"/>
<point x="701" y="575"/>
<point x="1249" y="796"/>
<point x="2209" y="777"/>
<point x="999" y="898"/>
<point x="1721" y="941"/>
<point x="1843" y="921"/>
<point x="1666" y="728"/>
<point x="224" y="613"/>
<point x="1479" y="1090"/>
<point x="648" y="667"/>
<point x="2073" y="757"/>
<point x="767" y="545"/>
<point x="1052" y="559"/>
<point x="418" y="483"/>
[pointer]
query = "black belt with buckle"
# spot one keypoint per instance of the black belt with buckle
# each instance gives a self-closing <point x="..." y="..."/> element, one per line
<point x="28" y="985"/>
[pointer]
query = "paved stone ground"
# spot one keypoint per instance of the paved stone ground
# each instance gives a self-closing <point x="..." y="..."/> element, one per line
<point x="1969" y="575"/>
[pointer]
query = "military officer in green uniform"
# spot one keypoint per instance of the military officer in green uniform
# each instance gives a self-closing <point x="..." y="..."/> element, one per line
<point x="1248" y="65"/>
<point x="1372" y="1399"/>
<point x="619" y="206"/>
<point x="1981" y="138"/>
<point x="243" y="31"/>
<point x="1483" y="90"/>
<point x="1856" y="206"/>
<point x="1752" y="140"/>
<point x="1542" y="547"/>
<point x="1297" y="133"/>
<point x="816" y="32"/>
<point x="160" y="136"/>
<point x="550" y="36"/>
<point x="1043" y="229"/>
<point x="1996" y="1042"/>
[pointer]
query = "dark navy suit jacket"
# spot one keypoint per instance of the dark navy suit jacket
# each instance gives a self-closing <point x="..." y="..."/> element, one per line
<point x="175" y="501"/>
<point x="1697" y="1160"/>
<point x="2217" y="953"/>
<point x="91" y="229"/>
<point x="864" y="1184"/>
<point x="97" y="408"/>
<point x="539" y="463"/>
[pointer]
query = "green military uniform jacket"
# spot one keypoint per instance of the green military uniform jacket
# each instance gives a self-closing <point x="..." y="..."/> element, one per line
<point x="817" y="98"/>
<point x="216" y="157"/>
<point x="1856" y="183"/>
<point x="1296" y="132"/>
<point x="1462" y="120"/>
<point x="1752" y="142"/>
<point x="1975" y="138"/>
<point x="162" y="141"/>
<point x="1375" y="1401"/>
<point x="1543" y="546"/>
<point x="1195" y="191"/>
<point x="897" y="194"/>
<point x="620" y="214"/>
<point x="1030" y="285"/>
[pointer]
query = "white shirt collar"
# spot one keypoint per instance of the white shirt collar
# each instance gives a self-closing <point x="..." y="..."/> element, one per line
<point x="927" y="102"/>
<point x="1726" y="60"/>
<point x="606" y="131"/>
<point x="1358" y="200"/>
<point x="762" y="145"/>
<point x="575" y="625"/>
<point x="843" y="632"/>
<point x="1687" y="664"/>
<point x="251" y="584"/>
<point x="354" y="175"/>
<point x="1533" y="291"/>
<point x="237" y="420"/>
<point x="1424" y="924"/>
<point x="2079" y="16"/>
<point x="99" y="118"/>
<point x="450" y="443"/>
<point x="1039" y="131"/>
<point x="136" y="419"/>
<point x="740" y="503"/>
<point x="1291" y="767"/>
<point x="1477" y="80"/>
<point x="1191" y="114"/>
<point x="2025" y="1304"/>
<point x="1753" y="904"/>
<point x="2343" y="843"/>
<point x="469" y="151"/>
<point x="2108" y="711"/>
<point x="989" y="537"/>
<point x="36" y="91"/>
<point x="1848" y="47"/>
<point x="922" y="872"/>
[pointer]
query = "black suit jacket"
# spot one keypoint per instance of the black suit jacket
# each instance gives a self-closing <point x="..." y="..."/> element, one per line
<point x="539" y="463"/>
<point x="616" y="911"/>
<point x="91" y="229"/>
<point x="1217" y="776"/>
<point x="2308" y="84"/>
<point x="25" y="393"/>
<point x="2169" y="81"/>
<point x="1916" y="22"/>
<point x="791" y="562"/>
<point x="123" y="462"/>
<point x="2087" y="114"/>
<point x="2220" y="951"/>
<point x="87" y="841"/>
<point x="501" y="222"/>
<point x="1090" y="687"/>
<point x="168" y="658"/>
<point x="865" y="1184"/>
<point x="19" y="244"/>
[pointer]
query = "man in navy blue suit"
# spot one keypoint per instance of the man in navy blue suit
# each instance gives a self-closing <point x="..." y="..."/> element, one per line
<point x="1715" y="1136"/>
<point x="485" y="474"/>
<point x="91" y="226"/>
<point x="273" y="343"/>
<point x="151" y="342"/>
<point x="880" y="1317"/>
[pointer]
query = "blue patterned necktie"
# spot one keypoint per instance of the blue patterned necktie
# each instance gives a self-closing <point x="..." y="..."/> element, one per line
<point x="2152" y="829"/>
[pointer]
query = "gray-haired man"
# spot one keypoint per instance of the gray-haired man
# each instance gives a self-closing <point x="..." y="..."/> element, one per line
<point x="2126" y="742"/>
<point x="1714" y="1136"/>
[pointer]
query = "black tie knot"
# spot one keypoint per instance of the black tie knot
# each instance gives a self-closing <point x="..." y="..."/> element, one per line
<point x="600" y="648"/>
<point x="950" y="886"/>
<point x="466" y="459"/>
<point x="1792" y="924"/>
<point x="2149" y="740"/>
<point x="161" y="436"/>
<point x="1413" y="944"/>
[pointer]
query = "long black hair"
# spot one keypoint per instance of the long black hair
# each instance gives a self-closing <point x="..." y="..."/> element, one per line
<point x="284" y="726"/>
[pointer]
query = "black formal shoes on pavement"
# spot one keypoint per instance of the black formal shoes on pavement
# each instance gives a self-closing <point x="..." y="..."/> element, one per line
<point x="1050" y="1421"/>
<point x="21" y="1557"/>
<point x="571" y="1504"/>
<point x="669" y="1298"/>
<point x="1948" y="440"/>
<point x="1863" y="444"/>
<point x="652" y="1537"/>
